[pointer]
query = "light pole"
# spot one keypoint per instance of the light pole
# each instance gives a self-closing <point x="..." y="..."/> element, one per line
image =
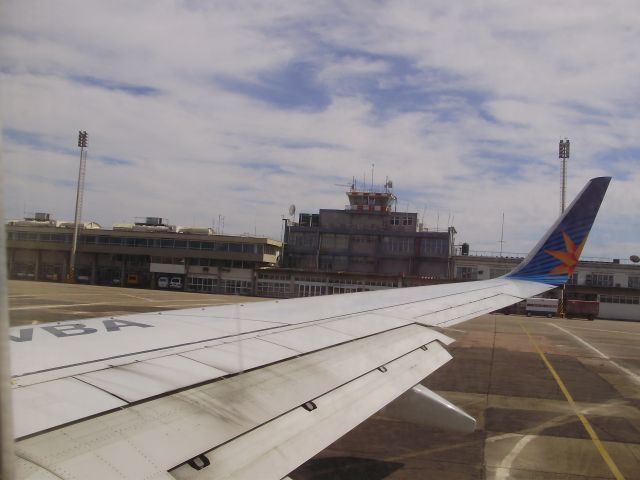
<point x="82" y="143"/>
<point x="563" y="154"/>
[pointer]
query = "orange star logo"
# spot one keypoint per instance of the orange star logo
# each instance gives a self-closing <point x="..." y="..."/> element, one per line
<point x="570" y="257"/>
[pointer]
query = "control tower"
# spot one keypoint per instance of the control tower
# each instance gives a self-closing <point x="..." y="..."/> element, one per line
<point x="371" y="200"/>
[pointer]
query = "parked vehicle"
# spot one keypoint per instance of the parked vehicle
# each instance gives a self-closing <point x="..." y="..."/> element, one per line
<point x="542" y="306"/>
<point x="175" y="282"/>
<point x="510" y="310"/>
<point x="163" y="282"/>
<point x="582" y="308"/>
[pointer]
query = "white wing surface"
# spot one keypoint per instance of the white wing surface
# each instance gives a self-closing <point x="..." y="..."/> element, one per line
<point x="237" y="391"/>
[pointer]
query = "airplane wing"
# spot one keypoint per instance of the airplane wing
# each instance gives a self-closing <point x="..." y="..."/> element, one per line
<point x="251" y="390"/>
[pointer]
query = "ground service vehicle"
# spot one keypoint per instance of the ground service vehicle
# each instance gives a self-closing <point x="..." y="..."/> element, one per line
<point x="582" y="308"/>
<point x="542" y="306"/>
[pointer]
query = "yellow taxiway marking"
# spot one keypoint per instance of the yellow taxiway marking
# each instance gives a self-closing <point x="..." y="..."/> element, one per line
<point x="585" y="423"/>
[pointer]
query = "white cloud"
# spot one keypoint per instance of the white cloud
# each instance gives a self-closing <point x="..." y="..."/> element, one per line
<point x="462" y="106"/>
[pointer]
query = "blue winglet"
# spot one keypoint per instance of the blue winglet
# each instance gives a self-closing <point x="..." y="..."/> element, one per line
<point x="556" y="255"/>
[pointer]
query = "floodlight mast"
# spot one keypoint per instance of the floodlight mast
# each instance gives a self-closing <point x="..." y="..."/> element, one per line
<point x="564" y="155"/>
<point x="82" y="143"/>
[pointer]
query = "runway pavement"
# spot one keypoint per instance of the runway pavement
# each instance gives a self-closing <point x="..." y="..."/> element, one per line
<point x="554" y="398"/>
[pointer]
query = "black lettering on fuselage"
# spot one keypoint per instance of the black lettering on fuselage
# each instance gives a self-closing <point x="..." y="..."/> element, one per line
<point x="69" y="330"/>
<point x="116" y="325"/>
<point x="26" y="334"/>
<point x="75" y="329"/>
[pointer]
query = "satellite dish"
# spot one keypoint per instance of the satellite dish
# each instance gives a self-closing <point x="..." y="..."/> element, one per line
<point x="634" y="258"/>
<point x="292" y="210"/>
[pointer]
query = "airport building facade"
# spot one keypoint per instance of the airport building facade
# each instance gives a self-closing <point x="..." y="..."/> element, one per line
<point x="148" y="254"/>
<point x="365" y="247"/>
<point x="614" y="284"/>
<point x="368" y="237"/>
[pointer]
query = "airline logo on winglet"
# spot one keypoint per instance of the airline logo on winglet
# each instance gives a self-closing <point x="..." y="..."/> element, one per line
<point x="569" y="257"/>
<point x="556" y="256"/>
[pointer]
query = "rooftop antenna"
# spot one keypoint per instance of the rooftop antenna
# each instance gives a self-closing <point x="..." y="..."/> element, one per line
<point x="351" y="186"/>
<point x="373" y="166"/>
<point x="502" y="235"/>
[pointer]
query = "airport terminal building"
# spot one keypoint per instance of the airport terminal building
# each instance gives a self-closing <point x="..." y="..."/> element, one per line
<point x="147" y="254"/>
<point x="367" y="246"/>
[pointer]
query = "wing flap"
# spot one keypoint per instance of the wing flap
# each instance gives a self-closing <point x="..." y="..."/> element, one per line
<point x="278" y="447"/>
<point x="169" y="430"/>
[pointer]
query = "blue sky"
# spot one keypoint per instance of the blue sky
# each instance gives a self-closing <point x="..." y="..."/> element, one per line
<point x="201" y="109"/>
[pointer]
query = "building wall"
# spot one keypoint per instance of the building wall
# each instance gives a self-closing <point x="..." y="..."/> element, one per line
<point x="139" y="258"/>
<point x="367" y="242"/>
<point x="624" y="306"/>
<point x="616" y="285"/>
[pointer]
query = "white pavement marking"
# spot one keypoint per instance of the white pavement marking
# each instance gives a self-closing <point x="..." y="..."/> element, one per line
<point x="136" y="296"/>
<point x="633" y="376"/>
<point x="505" y="466"/>
<point x="40" y="307"/>
<point x="605" y="330"/>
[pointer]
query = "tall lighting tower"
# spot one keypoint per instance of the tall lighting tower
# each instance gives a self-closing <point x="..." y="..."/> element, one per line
<point x="563" y="154"/>
<point x="82" y="143"/>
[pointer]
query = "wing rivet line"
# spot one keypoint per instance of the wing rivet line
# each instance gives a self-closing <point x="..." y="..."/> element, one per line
<point x="199" y="462"/>
<point x="383" y="369"/>
<point x="309" y="406"/>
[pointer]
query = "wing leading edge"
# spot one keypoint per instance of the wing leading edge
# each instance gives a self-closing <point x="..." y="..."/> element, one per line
<point x="228" y="392"/>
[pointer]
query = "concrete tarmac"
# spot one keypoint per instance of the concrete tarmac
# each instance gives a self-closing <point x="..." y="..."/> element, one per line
<point x="554" y="398"/>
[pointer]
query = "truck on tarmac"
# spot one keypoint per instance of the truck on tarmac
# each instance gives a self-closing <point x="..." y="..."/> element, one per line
<point x="582" y="308"/>
<point x="547" y="307"/>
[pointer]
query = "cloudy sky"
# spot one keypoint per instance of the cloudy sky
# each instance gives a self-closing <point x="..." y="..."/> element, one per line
<point x="201" y="109"/>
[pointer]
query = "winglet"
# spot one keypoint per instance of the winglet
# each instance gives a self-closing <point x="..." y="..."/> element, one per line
<point x="556" y="255"/>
